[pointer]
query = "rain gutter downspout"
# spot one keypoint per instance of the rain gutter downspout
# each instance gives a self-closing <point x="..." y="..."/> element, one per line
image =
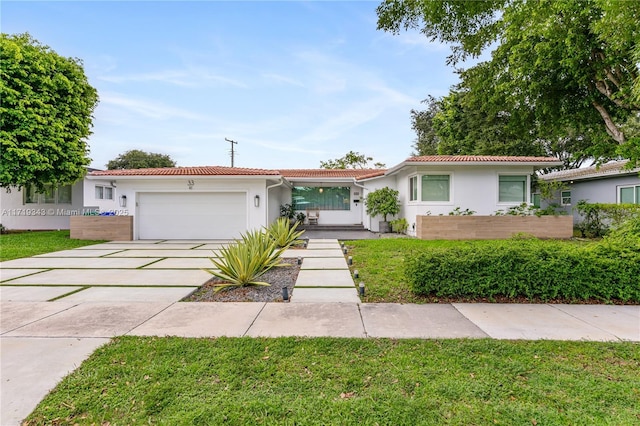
<point x="275" y="185"/>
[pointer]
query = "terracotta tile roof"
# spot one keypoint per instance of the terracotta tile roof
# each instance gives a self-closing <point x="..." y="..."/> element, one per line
<point x="479" y="159"/>
<point x="593" y="172"/>
<point x="189" y="171"/>
<point x="330" y="173"/>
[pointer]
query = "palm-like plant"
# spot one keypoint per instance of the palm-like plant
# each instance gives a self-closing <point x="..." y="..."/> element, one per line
<point x="243" y="262"/>
<point x="283" y="233"/>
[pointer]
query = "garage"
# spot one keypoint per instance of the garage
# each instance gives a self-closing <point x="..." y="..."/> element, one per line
<point x="191" y="215"/>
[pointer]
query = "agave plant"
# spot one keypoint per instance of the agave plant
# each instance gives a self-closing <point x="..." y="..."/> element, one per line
<point x="243" y="262"/>
<point x="283" y="233"/>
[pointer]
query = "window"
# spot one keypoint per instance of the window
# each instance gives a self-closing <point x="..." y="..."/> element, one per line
<point x="321" y="198"/>
<point x="104" y="193"/>
<point x="535" y="200"/>
<point x="629" y="195"/>
<point x="565" y="198"/>
<point x="435" y="188"/>
<point x="512" y="189"/>
<point x="413" y="188"/>
<point x="50" y="195"/>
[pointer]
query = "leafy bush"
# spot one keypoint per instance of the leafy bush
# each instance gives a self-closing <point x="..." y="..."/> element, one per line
<point x="533" y="269"/>
<point x="283" y="233"/>
<point x="243" y="262"/>
<point x="597" y="218"/>
<point x="459" y="212"/>
<point x="399" y="225"/>
<point x="383" y="202"/>
<point x="286" y="210"/>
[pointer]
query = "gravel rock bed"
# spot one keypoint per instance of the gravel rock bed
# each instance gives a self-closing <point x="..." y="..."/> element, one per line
<point x="279" y="278"/>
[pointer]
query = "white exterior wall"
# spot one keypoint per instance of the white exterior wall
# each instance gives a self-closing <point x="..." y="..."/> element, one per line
<point x="103" y="205"/>
<point x="472" y="187"/>
<point x="372" y="223"/>
<point x="256" y="216"/>
<point x="16" y="215"/>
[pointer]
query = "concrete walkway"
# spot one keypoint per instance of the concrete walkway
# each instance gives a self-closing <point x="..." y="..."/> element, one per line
<point x="115" y="289"/>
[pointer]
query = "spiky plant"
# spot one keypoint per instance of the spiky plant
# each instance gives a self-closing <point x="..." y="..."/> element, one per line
<point x="283" y="233"/>
<point x="243" y="262"/>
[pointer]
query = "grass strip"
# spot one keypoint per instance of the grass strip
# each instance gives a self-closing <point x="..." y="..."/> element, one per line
<point x="146" y="380"/>
<point x="26" y="244"/>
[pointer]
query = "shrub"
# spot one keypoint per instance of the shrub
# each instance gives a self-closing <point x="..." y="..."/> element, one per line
<point x="399" y="225"/>
<point x="283" y="233"/>
<point x="597" y="218"/>
<point x="243" y="262"/>
<point x="533" y="269"/>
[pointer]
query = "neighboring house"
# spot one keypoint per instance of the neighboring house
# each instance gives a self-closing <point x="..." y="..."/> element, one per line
<point x="607" y="183"/>
<point x="26" y="209"/>
<point x="221" y="202"/>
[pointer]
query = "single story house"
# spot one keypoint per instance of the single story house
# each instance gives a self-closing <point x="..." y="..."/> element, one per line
<point x="608" y="183"/>
<point x="216" y="202"/>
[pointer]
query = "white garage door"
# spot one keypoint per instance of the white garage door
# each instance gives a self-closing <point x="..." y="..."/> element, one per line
<point x="192" y="215"/>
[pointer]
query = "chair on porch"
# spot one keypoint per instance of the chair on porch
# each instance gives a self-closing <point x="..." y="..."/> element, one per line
<point x="312" y="216"/>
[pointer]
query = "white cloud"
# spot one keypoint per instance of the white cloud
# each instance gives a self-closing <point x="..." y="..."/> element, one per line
<point x="190" y="77"/>
<point x="147" y="108"/>
<point x="278" y="78"/>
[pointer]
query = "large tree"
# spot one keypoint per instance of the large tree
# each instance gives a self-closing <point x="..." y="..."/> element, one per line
<point x="136" y="159"/>
<point x="427" y="139"/>
<point x="351" y="160"/>
<point x="555" y="64"/>
<point x="45" y="114"/>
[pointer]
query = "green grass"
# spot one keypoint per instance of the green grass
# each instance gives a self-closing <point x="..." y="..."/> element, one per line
<point x="25" y="244"/>
<point x="239" y="381"/>
<point x="380" y="264"/>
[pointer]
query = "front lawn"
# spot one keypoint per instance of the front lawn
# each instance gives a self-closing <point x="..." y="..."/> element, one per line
<point x="26" y="244"/>
<point x="240" y="381"/>
<point x="380" y="264"/>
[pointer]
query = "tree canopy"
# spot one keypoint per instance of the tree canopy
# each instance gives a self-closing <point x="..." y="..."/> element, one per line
<point x="351" y="160"/>
<point x="559" y="68"/>
<point x="45" y="114"/>
<point x="137" y="159"/>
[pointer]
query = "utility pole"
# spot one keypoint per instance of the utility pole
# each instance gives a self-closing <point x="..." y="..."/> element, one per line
<point x="232" y="150"/>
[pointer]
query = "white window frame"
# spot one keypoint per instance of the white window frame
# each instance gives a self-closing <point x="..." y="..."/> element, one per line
<point x="413" y="187"/>
<point x="103" y="192"/>
<point x="527" y="189"/>
<point x="635" y="193"/>
<point x="563" y="198"/>
<point x="436" y="203"/>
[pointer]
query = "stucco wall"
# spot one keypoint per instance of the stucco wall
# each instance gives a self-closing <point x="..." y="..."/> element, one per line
<point x="492" y="227"/>
<point x="16" y="215"/>
<point x="256" y="216"/>
<point x="472" y="187"/>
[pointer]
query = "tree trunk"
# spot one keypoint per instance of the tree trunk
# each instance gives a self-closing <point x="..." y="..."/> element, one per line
<point x="610" y="126"/>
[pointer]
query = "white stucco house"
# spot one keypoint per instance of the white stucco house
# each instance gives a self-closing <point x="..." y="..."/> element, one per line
<point x="216" y="202"/>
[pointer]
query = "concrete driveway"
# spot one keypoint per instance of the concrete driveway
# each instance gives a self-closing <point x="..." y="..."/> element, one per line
<point x="98" y="292"/>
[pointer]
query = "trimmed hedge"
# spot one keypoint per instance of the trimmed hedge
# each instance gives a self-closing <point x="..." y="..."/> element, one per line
<point x="535" y="269"/>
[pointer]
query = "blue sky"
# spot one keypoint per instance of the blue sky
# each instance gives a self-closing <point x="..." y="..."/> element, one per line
<point x="293" y="82"/>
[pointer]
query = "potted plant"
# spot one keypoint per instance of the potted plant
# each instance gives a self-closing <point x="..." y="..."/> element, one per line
<point x="286" y="210"/>
<point x="383" y="202"/>
<point x="300" y="217"/>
